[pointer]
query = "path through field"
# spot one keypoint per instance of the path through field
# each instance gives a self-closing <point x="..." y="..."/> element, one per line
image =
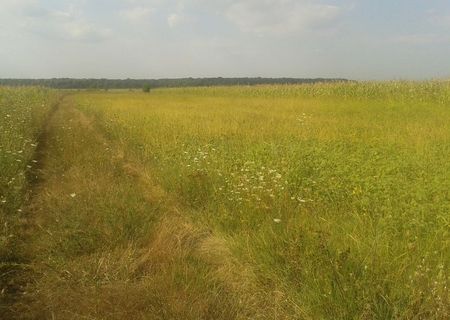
<point x="82" y="180"/>
<point x="19" y="274"/>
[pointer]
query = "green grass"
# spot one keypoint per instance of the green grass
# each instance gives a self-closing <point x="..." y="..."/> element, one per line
<point x="22" y="113"/>
<point x="358" y="174"/>
<point x="272" y="202"/>
<point x="22" y="117"/>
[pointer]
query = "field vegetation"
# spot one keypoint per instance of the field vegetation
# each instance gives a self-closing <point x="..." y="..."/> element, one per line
<point x="323" y="201"/>
<point x="22" y="116"/>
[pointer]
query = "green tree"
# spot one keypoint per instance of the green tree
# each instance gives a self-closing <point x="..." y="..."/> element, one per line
<point x="146" y="88"/>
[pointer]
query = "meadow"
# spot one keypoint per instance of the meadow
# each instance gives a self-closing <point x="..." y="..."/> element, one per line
<point x="325" y="201"/>
<point x="22" y="114"/>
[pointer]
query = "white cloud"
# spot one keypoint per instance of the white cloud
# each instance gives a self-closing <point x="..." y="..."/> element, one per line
<point x="176" y="19"/>
<point x="70" y="13"/>
<point x="17" y="3"/>
<point x="82" y="31"/>
<point x="137" y="14"/>
<point x="66" y="22"/>
<point x="420" y="39"/>
<point x="442" y="20"/>
<point x="278" y="17"/>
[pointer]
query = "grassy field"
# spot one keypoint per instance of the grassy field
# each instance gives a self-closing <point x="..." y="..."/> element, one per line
<point x="22" y="115"/>
<point x="270" y="202"/>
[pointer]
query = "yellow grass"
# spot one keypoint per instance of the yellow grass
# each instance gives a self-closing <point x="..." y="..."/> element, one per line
<point x="271" y="202"/>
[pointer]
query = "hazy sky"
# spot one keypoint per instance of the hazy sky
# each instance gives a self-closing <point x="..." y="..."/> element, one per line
<point x="359" y="39"/>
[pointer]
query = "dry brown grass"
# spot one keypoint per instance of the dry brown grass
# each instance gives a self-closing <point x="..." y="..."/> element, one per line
<point x="175" y="270"/>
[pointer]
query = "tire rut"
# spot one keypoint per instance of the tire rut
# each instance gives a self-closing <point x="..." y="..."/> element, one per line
<point x="16" y="273"/>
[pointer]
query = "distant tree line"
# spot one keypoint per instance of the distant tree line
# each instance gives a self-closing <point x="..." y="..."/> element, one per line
<point x="69" y="83"/>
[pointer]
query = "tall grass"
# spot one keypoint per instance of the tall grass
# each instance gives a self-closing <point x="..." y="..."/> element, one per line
<point x="107" y="244"/>
<point x="337" y="195"/>
<point x="325" y="201"/>
<point x="22" y="113"/>
<point x="22" y="116"/>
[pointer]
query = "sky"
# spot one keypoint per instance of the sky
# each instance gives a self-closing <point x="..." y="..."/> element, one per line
<point x="354" y="39"/>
